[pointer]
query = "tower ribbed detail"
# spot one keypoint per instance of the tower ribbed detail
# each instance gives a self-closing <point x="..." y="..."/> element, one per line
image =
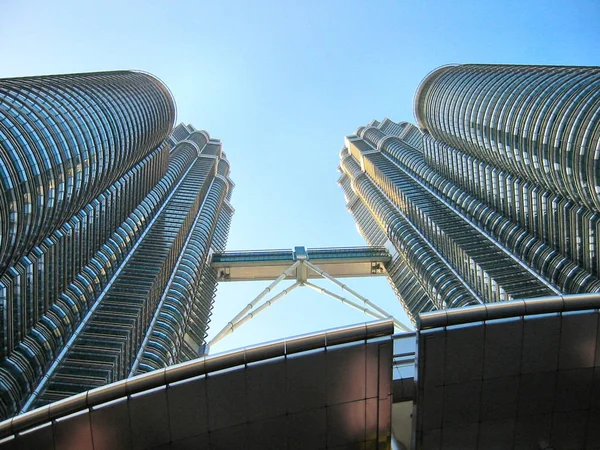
<point x="65" y="139"/>
<point x="447" y="229"/>
<point x="538" y="123"/>
<point x="107" y="219"/>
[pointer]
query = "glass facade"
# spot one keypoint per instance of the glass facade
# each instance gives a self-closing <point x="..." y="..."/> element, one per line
<point x="524" y="140"/>
<point x="106" y="222"/>
<point x="473" y="208"/>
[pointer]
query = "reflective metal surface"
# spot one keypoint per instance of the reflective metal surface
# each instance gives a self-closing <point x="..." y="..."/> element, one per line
<point x="269" y="264"/>
<point x="519" y="377"/>
<point x="112" y="277"/>
<point x="78" y="155"/>
<point x="495" y="198"/>
<point x="326" y="390"/>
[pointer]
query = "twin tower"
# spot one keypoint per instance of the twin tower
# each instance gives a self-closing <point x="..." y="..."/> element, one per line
<point x="109" y="212"/>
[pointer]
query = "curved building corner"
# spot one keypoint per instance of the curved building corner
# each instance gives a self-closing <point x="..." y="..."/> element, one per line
<point x="104" y="233"/>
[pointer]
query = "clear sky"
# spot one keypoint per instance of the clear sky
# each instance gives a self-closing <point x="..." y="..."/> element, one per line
<point x="281" y="83"/>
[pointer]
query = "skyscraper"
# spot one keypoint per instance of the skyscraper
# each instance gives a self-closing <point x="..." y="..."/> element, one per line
<point x="476" y="207"/>
<point x="106" y="222"/>
<point x="495" y="197"/>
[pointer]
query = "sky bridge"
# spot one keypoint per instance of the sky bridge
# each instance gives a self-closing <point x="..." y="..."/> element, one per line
<point x="301" y="264"/>
<point x="338" y="262"/>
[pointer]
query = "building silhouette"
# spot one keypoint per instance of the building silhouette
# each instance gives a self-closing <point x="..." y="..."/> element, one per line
<point x="107" y="218"/>
<point x="496" y="197"/>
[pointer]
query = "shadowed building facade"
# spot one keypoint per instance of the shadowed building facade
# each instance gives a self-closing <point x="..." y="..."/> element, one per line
<point x="495" y="197"/>
<point x="106" y="221"/>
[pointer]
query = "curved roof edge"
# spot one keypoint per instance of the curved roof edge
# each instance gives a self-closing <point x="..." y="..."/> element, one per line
<point x="423" y="88"/>
<point x="511" y="308"/>
<point x="203" y="133"/>
<point x="163" y="86"/>
<point x="194" y="368"/>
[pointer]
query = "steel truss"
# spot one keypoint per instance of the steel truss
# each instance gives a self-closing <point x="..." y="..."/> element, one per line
<point x="249" y="311"/>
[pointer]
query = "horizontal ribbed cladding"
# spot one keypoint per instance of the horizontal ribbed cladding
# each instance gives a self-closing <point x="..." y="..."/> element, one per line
<point x="493" y="273"/>
<point x="540" y="123"/>
<point x="193" y="288"/>
<point x="365" y="223"/>
<point x="65" y="139"/>
<point x="106" y="347"/>
<point x="408" y="288"/>
<point x="23" y="369"/>
<point x="180" y="132"/>
<point x="520" y="241"/>
<point x="443" y="286"/>
<point x="402" y="279"/>
<point x="221" y="233"/>
<point x="568" y="228"/>
<point x="182" y="319"/>
<point x="405" y="283"/>
<point x="30" y="287"/>
<point x="479" y="260"/>
<point x="392" y="128"/>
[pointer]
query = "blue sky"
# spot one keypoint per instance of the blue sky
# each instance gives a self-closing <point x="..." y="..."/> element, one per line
<point x="281" y="84"/>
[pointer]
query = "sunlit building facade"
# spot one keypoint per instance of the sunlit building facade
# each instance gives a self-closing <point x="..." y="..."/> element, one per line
<point x="107" y="217"/>
<point x="496" y="196"/>
<point x="479" y="205"/>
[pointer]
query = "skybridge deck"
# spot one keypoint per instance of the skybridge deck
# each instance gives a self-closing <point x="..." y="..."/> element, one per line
<point x="339" y="262"/>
